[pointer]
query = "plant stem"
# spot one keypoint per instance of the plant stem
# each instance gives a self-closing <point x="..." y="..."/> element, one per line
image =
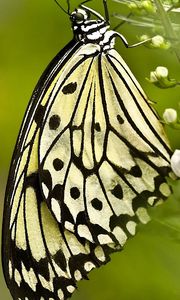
<point x="165" y="19"/>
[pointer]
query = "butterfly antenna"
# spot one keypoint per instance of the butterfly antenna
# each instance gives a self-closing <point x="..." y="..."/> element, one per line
<point x="106" y="11"/>
<point x="122" y="22"/>
<point x="85" y="2"/>
<point x="66" y="12"/>
<point x="69" y="9"/>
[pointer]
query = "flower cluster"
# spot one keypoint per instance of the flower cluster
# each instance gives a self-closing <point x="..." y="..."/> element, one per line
<point x="142" y="7"/>
<point x="160" y="78"/>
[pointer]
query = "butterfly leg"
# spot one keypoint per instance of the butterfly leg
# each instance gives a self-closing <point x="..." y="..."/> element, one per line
<point x="122" y="22"/>
<point x="84" y="2"/>
<point x="95" y="13"/>
<point x="127" y="44"/>
<point x="91" y="10"/>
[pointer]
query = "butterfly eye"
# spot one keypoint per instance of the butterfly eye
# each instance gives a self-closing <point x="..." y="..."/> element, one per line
<point x="79" y="16"/>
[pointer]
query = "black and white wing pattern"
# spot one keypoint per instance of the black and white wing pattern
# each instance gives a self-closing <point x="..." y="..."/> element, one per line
<point x="91" y="156"/>
<point x="103" y="152"/>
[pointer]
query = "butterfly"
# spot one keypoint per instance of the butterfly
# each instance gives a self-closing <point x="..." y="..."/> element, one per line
<point x="90" y="157"/>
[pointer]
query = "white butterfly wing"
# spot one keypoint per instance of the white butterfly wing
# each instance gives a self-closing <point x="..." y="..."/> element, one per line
<point x="41" y="259"/>
<point x="103" y="152"/>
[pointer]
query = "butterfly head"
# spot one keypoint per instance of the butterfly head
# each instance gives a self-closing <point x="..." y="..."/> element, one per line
<point x="89" y="30"/>
<point x="79" y="16"/>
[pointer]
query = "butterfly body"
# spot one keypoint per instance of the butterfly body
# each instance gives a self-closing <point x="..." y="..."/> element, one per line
<point x="90" y="157"/>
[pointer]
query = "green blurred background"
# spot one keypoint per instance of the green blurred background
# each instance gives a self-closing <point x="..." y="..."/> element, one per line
<point x="31" y="33"/>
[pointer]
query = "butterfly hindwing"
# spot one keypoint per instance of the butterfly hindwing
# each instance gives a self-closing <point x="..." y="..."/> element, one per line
<point x="40" y="258"/>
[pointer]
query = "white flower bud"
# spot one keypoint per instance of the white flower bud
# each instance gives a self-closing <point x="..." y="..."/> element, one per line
<point x="160" y="78"/>
<point x="157" y="40"/>
<point x="160" y="72"/>
<point x="175" y="162"/>
<point x="170" y="115"/>
<point x="144" y="37"/>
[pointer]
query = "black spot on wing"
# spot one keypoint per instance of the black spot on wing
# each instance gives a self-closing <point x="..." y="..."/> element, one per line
<point x="39" y="115"/>
<point x="117" y="191"/>
<point x="74" y="192"/>
<point x="97" y="127"/>
<point x="70" y="88"/>
<point x="54" y="122"/>
<point x="136" y="171"/>
<point x="97" y="204"/>
<point x="58" y="164"/>
<point x="120" y="119"/>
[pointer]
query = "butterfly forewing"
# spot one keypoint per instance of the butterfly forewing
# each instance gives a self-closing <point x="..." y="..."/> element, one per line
<point x="103" y="150"/>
